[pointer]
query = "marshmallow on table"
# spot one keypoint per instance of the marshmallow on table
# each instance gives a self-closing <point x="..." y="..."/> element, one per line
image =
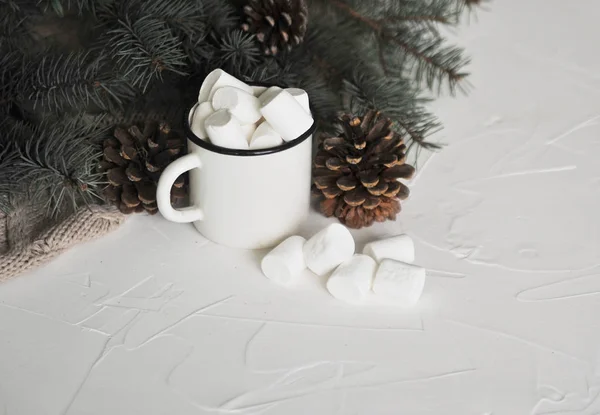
<point x="301" y="96"/>
<point x="400" y="282"/>
<point x="258" y="90"/>
<point x="399" y="248"/>
<point x="218" y="79"/>
<point x="328" y="248"/>
<point x="268" y="93"/>
<point x="286" y="262"/>
<point x="286" y="115"/>
<point x="224" y="130"/>
<point x="243" y="105"/>
<point x="352" y="280"/>
<point x="203" y="110"/>
<point x="265" y="137"/>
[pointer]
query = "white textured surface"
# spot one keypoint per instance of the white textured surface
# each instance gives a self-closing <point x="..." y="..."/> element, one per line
<point x="156" y="320"/>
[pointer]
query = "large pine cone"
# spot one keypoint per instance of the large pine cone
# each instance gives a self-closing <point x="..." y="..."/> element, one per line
<point x="278" y="24"/>
<point x="133" y="160"/>
<point x="356" y="174"/>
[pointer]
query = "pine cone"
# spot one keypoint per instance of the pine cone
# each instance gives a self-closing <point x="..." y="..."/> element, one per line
<point x="278" y="24"/>
<point x="356" y="174"/>
<point x="133" y="160"/>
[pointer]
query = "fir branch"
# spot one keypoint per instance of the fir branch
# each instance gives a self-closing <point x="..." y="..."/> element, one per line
<point x="82" y="6"/>
<point x="13" y="33"/>
<point x="425" y="53"/>
<point x="55" y="162"/>
<point x="59" y="8"/>
<point x="418" y="18"/>
<point x="470" y="5"/>
<point x="11" y="69"/>
<point x="397" y="99"/>
<point x="272" y="73"/>
<point x="222" y="41"/>
<point x="221" y="16"/>
<point x="185" y="17"/>
<point x="144" y="49"/>
<point x="431" y="61"/>
<point x="413" y="13"/>
<point x="52" y="5"/>
<point x="237" y="51"/>
<point x="9" y="5"/>
<point x="7" y="160"/>
<point x="74" y="81"/>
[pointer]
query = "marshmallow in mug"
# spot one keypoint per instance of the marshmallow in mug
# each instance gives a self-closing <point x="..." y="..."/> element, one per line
<point x="265" y="137"/>
<point x="257" y="90"/>
<point x="268" y="94"/>
<point x="286" y="115"/>
<point x="201" y="112"/>
<point x="301" y="96"/>
<point x="248" y="130"/>
<point x="243" y="105"/>
<point x="218" y="79"/>
<point x="191" y="113"/>
<point x="224" y="130"/>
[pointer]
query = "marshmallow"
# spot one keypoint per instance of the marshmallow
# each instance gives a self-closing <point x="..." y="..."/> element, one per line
<point x="286" y="115"/>
<point x="352" y="280"/>
<point x="286" y="262"/>
<point x="191" y="114"/>
<point x="224" y="130"/>
<point x="258" y="90"/>
<point x="248" y="130"/>
<point x="202" y="112"/>
<point x="301" y="96"/>
<point x="265" y="137"/>
<point x="218" y="79"/>
<point x="328" y="248"/>
<point x="269" y="93"/>
<point x="399" y="248"/>
<point x="243" y="105"/>
<point x="398" y="281"/>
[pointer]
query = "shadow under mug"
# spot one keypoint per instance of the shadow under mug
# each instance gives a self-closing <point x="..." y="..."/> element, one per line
<point x="242" y="198"/>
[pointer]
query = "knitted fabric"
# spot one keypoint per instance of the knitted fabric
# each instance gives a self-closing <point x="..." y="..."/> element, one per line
<point x="25" y="244"/>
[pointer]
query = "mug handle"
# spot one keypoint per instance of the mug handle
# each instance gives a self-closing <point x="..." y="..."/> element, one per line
<point x="165" y="183"/>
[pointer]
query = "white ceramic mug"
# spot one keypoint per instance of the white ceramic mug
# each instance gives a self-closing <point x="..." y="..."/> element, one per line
<point x="242" y="198"/>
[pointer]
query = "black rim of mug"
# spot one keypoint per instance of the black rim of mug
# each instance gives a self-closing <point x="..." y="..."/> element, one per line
<point x="237" y="152"/>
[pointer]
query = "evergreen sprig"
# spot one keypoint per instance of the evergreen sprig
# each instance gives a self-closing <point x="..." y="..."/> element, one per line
<point x="186" y="18"/>
<point x="405" y="34"/>
<point x="7" y="159"/>
<point x="390" y="56"/>
<point x="144" y="49"/>
<point x="73" y="81"/>
<point x="431" y="61"/>
<point x="52" y="163"/>
<point x="237" y="53"/>
<point x="10" y="63"/>
<point x="397" y="99"/>
<point x="131" y="59"/>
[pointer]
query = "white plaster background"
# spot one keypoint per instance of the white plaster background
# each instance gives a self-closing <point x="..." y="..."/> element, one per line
<point x="154" y="319"/>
